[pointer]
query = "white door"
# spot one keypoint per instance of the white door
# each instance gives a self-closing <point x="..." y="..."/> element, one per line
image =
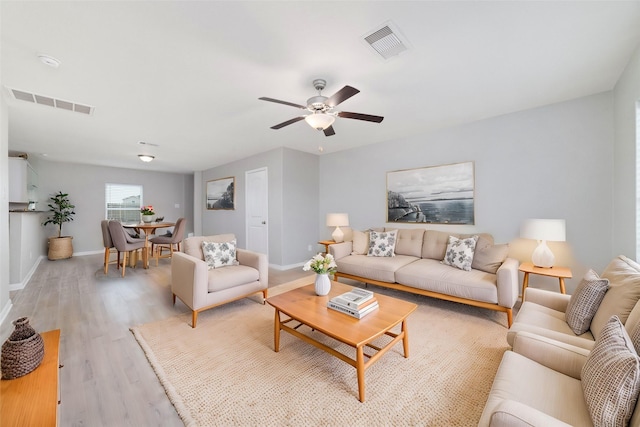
<point x="257" y="197"/>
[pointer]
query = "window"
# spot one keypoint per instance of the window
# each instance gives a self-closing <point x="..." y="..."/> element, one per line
<point x="122" y="202"/>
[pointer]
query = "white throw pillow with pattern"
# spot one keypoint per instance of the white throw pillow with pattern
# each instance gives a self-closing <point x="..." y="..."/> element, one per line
<point x="218" y="255"/>
<point x="460" y="252"/>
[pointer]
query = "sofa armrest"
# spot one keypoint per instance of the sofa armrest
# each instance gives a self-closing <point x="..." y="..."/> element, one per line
<point x="189" y="279"/>
<point x="561" y="357"/>
<point x="509" y="413"/>
<point x="341" y="250"/>
<point x="507" y="283"/>
<point x="550" y="299"/>
<point x="256" y="260"/>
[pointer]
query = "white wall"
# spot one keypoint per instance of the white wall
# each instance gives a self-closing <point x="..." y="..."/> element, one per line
<point x="5" y="302"/>
<point x="627" y="93"/>
<point x="550" y="162"/>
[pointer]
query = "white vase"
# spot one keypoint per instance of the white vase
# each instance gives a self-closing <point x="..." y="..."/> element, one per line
<point x="148" y="218"/>
<point x="322" y="284"/>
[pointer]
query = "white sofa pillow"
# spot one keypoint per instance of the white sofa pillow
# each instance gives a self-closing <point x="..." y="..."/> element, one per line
<point x="382" y="244"/>
<point x="459" y="252"/>
<point x="360" y="242"/>
<point x="218" y="255"/>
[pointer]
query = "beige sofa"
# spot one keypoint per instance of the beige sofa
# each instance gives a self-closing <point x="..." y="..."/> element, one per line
<point x="416" y="267"/>
<point x="201" y="288"/>
<point x="543" y="312"/>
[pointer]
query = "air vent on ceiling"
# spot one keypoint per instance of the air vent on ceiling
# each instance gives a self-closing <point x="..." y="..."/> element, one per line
<point x="51" y="102"/>
<point x="387" y="41"/>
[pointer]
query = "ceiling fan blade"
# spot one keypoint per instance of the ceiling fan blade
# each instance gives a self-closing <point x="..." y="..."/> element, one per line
<point x="288" y="122"/>
<point x="341" y="95"/>
<point x="358" y="116"/>
<point x="329" y="131"/>
<point x="282" y="102"/>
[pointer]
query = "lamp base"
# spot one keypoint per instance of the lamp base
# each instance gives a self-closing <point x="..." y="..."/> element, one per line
<point x="338" y="235"/>
<point x="542" y="256"/>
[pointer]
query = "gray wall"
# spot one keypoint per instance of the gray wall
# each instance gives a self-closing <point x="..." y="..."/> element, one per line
<point x="293" y="203"/>
<point x="627" y="94"/>
<point x="85" y="185"/>
<point x="550" y="162"/>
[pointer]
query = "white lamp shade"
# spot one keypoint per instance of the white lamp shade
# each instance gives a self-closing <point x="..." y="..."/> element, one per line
<point x="553" y="230"/>
<point x="320" y="121"/>
<point x="337" y="219"/>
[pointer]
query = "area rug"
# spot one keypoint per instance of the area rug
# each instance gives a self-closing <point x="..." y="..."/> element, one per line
<point x="225" y="371"/>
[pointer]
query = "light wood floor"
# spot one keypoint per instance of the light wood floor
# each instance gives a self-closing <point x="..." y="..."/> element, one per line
<point x="106" y="379"/>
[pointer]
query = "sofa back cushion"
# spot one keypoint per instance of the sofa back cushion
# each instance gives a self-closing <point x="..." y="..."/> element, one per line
<point x="623" y="294"/>
<point x="410" y="241"/>
<point x="193" y="245"/>
<point x="434" y="244"/>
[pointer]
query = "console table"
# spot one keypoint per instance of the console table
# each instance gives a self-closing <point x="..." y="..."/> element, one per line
<point x="32" y="400"/>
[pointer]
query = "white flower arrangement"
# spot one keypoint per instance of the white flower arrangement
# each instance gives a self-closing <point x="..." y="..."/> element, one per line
<point x="321" y="264"/>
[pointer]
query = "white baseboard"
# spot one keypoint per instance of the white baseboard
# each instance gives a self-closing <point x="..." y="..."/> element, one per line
<point x="5" y="311"/>
<point x="285" y="267"/>
<point x="25" y="280"/>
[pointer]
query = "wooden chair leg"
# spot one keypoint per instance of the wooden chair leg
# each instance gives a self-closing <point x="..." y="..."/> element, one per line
<point x="194" y="318"/>
<point x="124" y="263"/>
<point x="107" y="252"/>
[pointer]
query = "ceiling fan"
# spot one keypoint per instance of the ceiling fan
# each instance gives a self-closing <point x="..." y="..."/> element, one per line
<point x="321" y="109"/>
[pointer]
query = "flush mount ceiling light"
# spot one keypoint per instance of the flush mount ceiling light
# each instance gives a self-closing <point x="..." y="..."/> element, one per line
<point x="146" y="157"/>
<point x="49" y="60"/>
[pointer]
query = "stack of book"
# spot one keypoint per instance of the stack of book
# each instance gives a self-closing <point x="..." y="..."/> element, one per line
<point x="357" y="303"/>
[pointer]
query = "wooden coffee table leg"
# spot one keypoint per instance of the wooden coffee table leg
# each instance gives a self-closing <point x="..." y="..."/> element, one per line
<point x="405" y="338"/>
<point x="360" y="371"/>
<point x="276" y="332"/>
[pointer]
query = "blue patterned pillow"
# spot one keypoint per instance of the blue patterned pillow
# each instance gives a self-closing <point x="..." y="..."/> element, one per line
<point x="218" y="255"/>
<point x="382" y="243"/>
<point x="460" y="252"/>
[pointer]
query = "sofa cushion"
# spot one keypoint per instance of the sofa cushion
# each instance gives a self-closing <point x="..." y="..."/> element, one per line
<point x="487" y="256"/>
<point x="611" y="376"/>
<point x="432" y="275"/>
<point x="434" y="244"/>
<point x="375" y="268"/>
<point x="382" y="244"/>
<point x="409" y="242"/>
<point x="231" y="276"/>
<point x="459" y="252"/>
<point x="585" y="302"/>
<point x="623" y="293"/>
<point x="521" y="379"/>
<point x="360" y="242"/>
<point x="218" y="255"/>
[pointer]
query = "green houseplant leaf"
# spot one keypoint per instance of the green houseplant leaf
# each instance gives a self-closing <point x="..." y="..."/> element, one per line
<point x="61" y="211"/>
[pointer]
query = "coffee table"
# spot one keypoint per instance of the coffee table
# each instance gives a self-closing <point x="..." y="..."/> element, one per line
<point x="303" y="306"/>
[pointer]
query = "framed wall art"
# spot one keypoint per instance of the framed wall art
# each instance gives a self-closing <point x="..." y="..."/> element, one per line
<point x="221" y="193"/>
<point x="436" y="195"/>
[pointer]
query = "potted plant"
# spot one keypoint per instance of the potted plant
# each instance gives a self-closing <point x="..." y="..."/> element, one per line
<point x="61" y="209"/>
<point x="147" y="214"/>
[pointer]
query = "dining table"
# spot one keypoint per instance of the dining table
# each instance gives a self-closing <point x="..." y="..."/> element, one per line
<point x="149" y="228"/>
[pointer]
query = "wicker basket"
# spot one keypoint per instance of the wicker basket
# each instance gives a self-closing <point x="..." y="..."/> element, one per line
<point x="22" y="352"/>
<point x="60" y="248"/>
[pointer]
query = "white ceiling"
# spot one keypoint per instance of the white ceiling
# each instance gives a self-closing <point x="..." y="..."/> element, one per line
<point x="187" y="75"/>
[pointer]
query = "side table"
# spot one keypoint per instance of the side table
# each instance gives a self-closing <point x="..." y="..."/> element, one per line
<point x="560" y="272"/>
<point x="326" y="244"/>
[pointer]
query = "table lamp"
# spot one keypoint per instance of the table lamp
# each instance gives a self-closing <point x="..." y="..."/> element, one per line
<point x="337" y="220"/>
<point x="543" y="230"/>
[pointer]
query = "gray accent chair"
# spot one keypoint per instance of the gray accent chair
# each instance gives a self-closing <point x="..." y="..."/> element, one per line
<point x="123" y="242"/>
<point x="201" y="288"/>
<point x="108" y="246"/>
<point x="171" y="243"/>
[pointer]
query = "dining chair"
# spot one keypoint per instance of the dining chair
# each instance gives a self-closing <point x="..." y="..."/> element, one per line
<point x="123" y="242"/>
<point x="108" y="246"/>
<point x="170" y="243"/>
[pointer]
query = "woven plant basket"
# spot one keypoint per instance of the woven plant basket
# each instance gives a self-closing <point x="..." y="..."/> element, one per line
<point x="60" y="248"/>
<point x="22" y="352"/>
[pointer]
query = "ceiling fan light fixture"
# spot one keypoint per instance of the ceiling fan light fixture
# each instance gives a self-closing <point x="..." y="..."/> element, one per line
<point x="146" y="157"/>
<point x="320" y="121"/>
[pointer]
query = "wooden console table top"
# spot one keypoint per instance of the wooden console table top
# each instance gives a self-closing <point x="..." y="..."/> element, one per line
<point x="32" y="400"/>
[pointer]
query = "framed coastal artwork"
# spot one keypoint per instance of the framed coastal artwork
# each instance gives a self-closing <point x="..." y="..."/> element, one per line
<point x="221" y="193"/>
<point x="435" y="195"/>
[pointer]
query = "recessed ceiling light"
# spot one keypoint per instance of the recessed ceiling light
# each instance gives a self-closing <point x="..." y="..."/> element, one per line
<point x="146" y="157"/>
<point x="49" y="60"/>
